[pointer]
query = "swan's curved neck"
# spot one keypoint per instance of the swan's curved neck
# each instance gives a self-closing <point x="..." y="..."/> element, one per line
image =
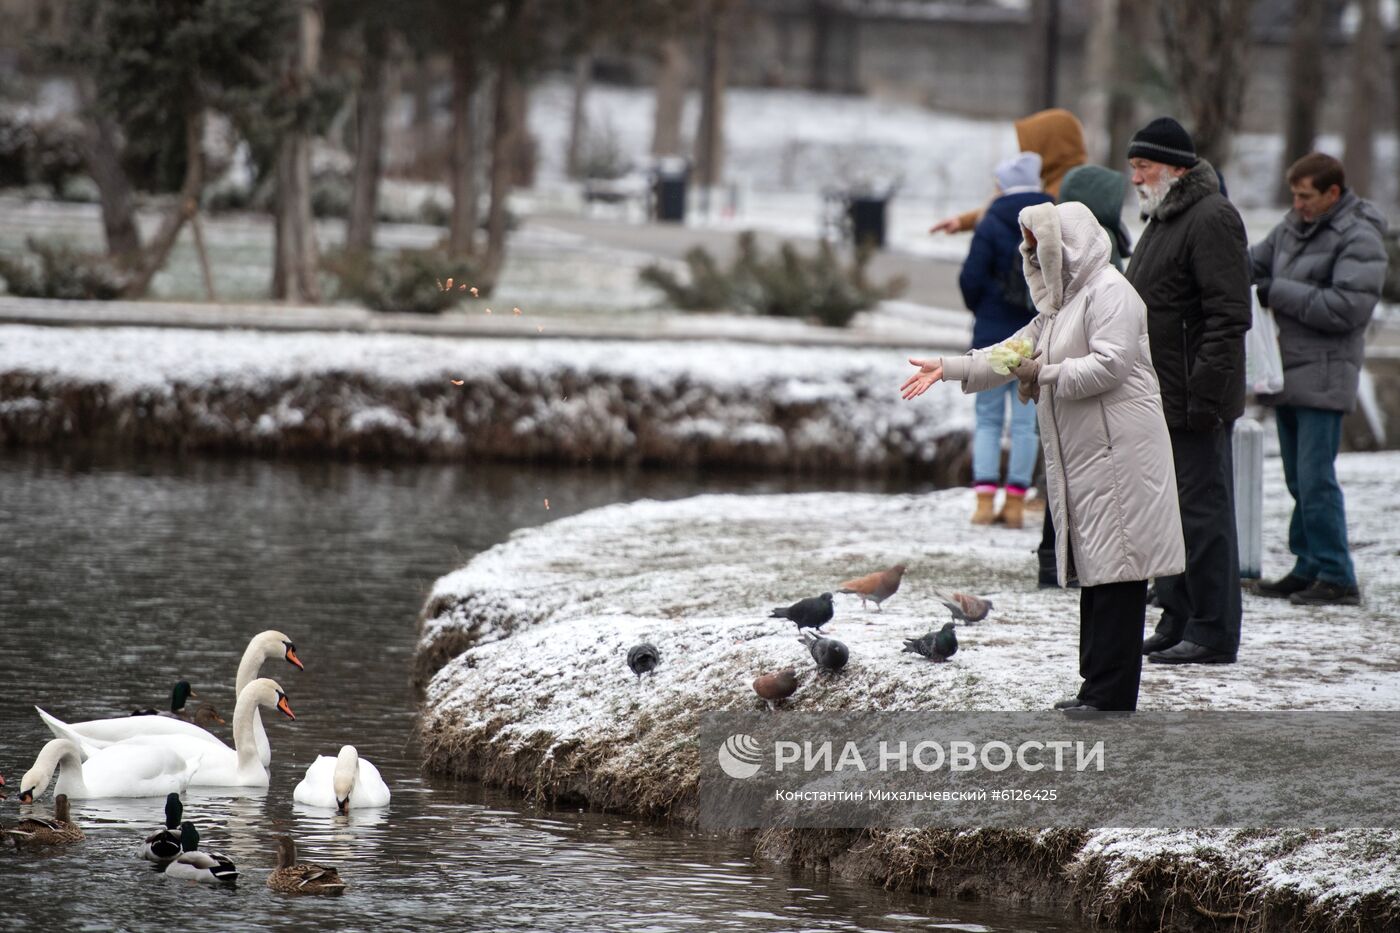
<point x="63" y="755"/>
<point x="244" y="741"/>
<point x="248" y="668"/>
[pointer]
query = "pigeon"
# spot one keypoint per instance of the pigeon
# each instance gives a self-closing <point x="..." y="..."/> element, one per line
<point x="812" y="612"/>
<point x="875" y="587"/>
<point x="830" y="654"/>
<point x="965" y="608"/>
<point x="936" y="646"/>
<point x="775" y="686"/>
<point x="643" y="659"/>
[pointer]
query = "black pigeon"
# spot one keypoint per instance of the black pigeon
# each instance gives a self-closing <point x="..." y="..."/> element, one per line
<point x="812" y="612"/>
<point x="936" y="646"/>
<point x="829" y="653"/>
<point x="643" y="659"/>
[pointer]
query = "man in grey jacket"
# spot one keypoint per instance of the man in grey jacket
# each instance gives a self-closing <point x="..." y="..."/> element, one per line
<point x="1320" y="271"/>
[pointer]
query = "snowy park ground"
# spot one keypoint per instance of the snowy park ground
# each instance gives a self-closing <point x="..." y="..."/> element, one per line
<point x="522" y="659"/>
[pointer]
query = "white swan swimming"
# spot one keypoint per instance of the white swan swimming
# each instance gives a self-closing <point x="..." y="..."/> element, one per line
<point x="219" y="765"/>
<point x="342" y="782"/>
<point x="117" y="771"/>
<point x="99" y="733"/>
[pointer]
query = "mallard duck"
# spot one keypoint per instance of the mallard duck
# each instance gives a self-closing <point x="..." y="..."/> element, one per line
<point x="59" y="831"/>
<point x="193" y="865"/>
<point x="293" y="877"/>
<point x="99" y="733"/>
<point x="163" y="845"/>
<point x="342" y="782"/>
<point x="178" y="697"/>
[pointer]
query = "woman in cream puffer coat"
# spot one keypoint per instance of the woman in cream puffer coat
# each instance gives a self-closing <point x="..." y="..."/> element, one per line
<point x="1108" y="458"/>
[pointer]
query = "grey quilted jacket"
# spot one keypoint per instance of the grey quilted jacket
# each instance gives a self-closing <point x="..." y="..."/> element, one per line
<point x="1322" y="281"/>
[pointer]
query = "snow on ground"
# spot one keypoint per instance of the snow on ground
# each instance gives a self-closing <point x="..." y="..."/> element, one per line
<point x="698" y="401"/>
<point x="542" y="692"/>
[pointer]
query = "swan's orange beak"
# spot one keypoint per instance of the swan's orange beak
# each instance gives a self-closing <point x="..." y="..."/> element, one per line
<point x="343" y="805"/>
<point x="293" y="659"/>
<point x="285" y="707"/>
<point x="26" y="796"/>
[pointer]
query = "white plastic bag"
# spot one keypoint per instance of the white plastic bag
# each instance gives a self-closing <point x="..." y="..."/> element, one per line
<point x="1263" y="366"/>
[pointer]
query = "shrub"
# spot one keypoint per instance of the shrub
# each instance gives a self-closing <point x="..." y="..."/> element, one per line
<point x="56" y="270"/>
<point x="39" y="152"/>
<point x="410" y="280"/>
<point x="788" y="284"/>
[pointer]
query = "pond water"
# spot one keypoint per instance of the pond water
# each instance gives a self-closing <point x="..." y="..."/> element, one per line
<point x="119" y="577"/>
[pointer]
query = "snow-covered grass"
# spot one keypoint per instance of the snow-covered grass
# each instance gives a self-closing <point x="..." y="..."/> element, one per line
<point x="531" y="688"/>
<point x="675" y="402"/>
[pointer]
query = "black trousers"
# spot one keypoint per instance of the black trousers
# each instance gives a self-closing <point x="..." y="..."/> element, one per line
<point x="1111" y="617"/>
<point x="1203" y="605"/>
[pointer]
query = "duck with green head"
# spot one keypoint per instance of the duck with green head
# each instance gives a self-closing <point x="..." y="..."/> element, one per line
<point x="163" y="845"/>
<point x="194" y="865"/>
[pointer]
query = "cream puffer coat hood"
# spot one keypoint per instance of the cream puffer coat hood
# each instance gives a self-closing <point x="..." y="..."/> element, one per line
<point x="1108" y="457"/>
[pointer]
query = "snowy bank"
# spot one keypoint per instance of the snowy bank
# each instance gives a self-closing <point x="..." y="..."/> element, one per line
<point x="714" y="402"/>
<point x="522" y="651"/>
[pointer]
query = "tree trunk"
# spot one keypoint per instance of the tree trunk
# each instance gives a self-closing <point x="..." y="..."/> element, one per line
<point x="421" y="127"/>
<point x="578" y="112"/>
<point x="670" y="99"/>
<point x="1042" y="54"/>
<point x="461" y="237"/>
<point x="522" y="145"/>
<point x="295" y="262"/>
<point x="1306" y="80"/>
<point x="1207" y="46"/>
<point x="709" y="136"/>
<point x="1368" y="51"/>
<point x="102" y="157"/>
<point x="1129" y="77"/>
<point x="504" y="125"/>
<point x="1100" y="77"/>
<point x="186" y="204"/>
<point x="370" y="107"/>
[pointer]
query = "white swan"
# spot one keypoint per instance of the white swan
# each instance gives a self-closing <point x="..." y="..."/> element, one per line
<point x="99" y="733"/>
<point x="118" y="771"/>
<point x="219" y="765"/>
<point x="342" y="782"/>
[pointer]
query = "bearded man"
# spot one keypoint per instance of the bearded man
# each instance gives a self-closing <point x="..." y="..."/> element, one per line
<point x="1191" y="268"/>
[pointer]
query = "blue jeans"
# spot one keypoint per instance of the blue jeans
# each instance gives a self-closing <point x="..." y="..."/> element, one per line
<point x="986" y="442"/>
<point x="1317" y="534"/>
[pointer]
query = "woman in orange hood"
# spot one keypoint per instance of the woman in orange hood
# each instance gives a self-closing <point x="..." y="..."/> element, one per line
<point x="1055" y="135"/>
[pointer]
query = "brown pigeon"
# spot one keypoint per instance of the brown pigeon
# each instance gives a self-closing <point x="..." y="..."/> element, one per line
<point x="965" y="608"/>
<point x="775" y="686"/>
<point x="876" y="587"/>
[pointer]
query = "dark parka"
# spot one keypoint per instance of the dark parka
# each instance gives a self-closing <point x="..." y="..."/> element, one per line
<point x="1191" y="268"/>
<point x="994" y="257"/>
<point x="1322" y="280"/>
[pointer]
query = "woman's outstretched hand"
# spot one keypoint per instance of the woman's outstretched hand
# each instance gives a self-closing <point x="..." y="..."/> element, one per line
<point x="930" y="371"/>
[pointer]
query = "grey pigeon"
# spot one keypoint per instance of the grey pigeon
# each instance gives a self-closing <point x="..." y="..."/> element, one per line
<point x="830" y="654"/>
<point x="643" y="659"/>
<point x="876" y="587"/>
<point x="812" y="612"/>
<point x="936" y="646"/>
<point x="965" y="608"/>
<point x="775" y="686"/>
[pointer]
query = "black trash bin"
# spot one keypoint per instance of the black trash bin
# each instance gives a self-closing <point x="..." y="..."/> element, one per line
<point x="867" y="213"/>
<point x="668" y="190"/>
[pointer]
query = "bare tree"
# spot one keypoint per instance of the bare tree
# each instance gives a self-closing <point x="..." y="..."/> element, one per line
<point x="1042" y="54"/>
<point x="578" y="110"/>
<point x="1131" y="71"/>
<point x="1100" y="73"/>
<point x="1368" y="53"/>
<point x="466" y="76"/>
<point x="1306" y="81"/>
<point x="670" y="97"/>
<point x="102" y="156"/>
<point x="371" y="104"/>
<point x="1207" y="46"/>
<point x="510" y="54"/>
<point x="295" y="261"/>
<point x="186" y="205"/>
<point x="709" y="136"/>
